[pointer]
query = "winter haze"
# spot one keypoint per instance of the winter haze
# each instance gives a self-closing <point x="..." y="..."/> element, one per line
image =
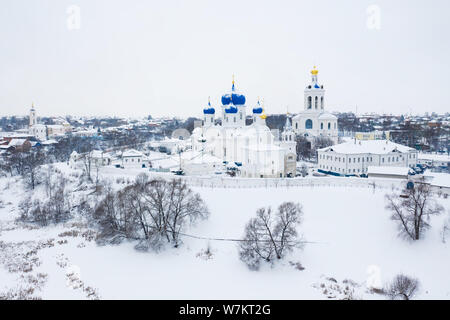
<point x="134" y="58"/>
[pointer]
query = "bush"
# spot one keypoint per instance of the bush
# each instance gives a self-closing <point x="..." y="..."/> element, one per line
<point x="269" y="236"/>
<point x="402" y="287"/>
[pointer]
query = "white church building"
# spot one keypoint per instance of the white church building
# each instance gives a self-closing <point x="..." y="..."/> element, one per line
<point x="252" y="148"/>
<point x="44" y="132"/>
<point x="314" y="121"/>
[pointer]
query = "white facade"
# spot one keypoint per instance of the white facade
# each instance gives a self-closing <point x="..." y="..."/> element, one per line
<point x="354" y="157"/>
<point x="133" y="159"/>
<point x="44" y="132"/>
<point x="39" y="131"/>
<point x="434" y="160"/>
<point x="251" y="147"/>
<point x="314" y="121"/>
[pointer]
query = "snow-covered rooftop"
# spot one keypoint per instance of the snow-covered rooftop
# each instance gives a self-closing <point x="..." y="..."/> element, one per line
<point x="439" y="179"/>
<point x="132" y="153"/>
<point x="400" y="171"/>
<point x="367" y="146"/>
<point x="434" y="157"/>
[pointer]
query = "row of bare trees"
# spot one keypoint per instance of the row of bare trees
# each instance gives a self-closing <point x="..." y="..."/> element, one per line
<point x="155" y="212"/>
<point x="25" y="164"/>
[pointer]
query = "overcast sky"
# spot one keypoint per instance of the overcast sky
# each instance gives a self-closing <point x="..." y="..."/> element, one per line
<point x="140" y="57"/>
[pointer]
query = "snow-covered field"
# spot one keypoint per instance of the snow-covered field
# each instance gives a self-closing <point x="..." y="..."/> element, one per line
<point x="350" y="240"/>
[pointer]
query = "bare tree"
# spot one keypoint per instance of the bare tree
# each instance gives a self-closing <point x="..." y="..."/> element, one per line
<point x="411" y="208"/>
<point x="403" y="287"/>
<point x="86" y="159"/>
<point x="269" y="236"/>
<point x="304" y="170"/>
<point x="31" y="163"/>
<point x="303" y="147"/>
<point x="55" y="209"/>
<point x="321" y="142"/>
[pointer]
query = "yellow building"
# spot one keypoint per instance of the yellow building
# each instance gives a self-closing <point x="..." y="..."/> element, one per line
<point x="374" y="135"/>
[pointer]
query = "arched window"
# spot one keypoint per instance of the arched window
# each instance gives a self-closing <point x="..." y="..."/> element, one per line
<point x="308" y="124"/>
<point x="335" y="126"/>
<point x="309" y="102"/>
<point x="329" y="125"/>
<point x="321" y="103"/>
<point x="316" y="102"/>
<point x="296" y="125"/>
<point x="321" y="125"/>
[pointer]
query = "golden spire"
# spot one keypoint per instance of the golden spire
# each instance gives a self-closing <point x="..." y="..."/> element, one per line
<point x="314" y="71"/>
<point x="263" y="115"/>
<point x="233" y="79"/>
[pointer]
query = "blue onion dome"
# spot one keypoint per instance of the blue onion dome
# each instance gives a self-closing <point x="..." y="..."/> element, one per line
<point x="316" y="86"/>
<point x="233" y="98"/>
<point x="209" y="109"/>
<point x="258" y="109"/>
<point x="231" y="109"/>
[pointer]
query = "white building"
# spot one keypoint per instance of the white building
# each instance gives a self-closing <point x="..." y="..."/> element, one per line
<point x="314" y="121"/>
<point x="388" y="172"/>
<point x="354" y="157"/>
<point x="44" y="132"/>
<point x="198" y="163"/>
<point x="434" y="160"/>
<point x="252" y="148"/>
<point x="134" y="159"/>
<point x="97" y="158"/>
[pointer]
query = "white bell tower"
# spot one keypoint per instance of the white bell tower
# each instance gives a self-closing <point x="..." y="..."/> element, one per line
<point x="314" y="94"/>
<point x="32" y="116"/>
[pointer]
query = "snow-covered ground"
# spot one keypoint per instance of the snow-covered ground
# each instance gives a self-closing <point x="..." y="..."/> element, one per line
<point x="350" y="240"/>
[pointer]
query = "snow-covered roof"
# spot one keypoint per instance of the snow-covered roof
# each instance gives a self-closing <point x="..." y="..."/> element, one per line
<point x="16" y="142"/>
<point x="438" y="179"/>
<point x="132" y="153"/>
<point x="206" y="158"/>
<point x="165" y="163"/>
<point x="99" y="154"/>
<point x="434" y="157"/>
<point x="48" y="142"/>
<point x="327" y="116"/>
<point x="367" y="146"/>
<point x="399" y="171"/>
<point x="38" y="125"/>
<point x="264" y="147"/>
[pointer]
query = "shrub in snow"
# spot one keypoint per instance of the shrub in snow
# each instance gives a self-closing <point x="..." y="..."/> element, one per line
<point x="411" y="207"/>
<point x="402" y="287"/>
<point x="55" y="209"/>
<point x="269" y="235"/>
<point x="154" y="212"/>
<point x="445" y="230"/>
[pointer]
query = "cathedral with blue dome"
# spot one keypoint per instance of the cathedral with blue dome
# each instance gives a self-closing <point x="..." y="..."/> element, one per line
<point x="252" y="148"/>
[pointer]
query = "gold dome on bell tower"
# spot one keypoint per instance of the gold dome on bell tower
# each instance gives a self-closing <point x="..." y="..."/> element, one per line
<point x="314" y="71"/>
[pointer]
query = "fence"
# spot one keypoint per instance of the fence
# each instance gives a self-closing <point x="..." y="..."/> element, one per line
<point x="226" y="182"/>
